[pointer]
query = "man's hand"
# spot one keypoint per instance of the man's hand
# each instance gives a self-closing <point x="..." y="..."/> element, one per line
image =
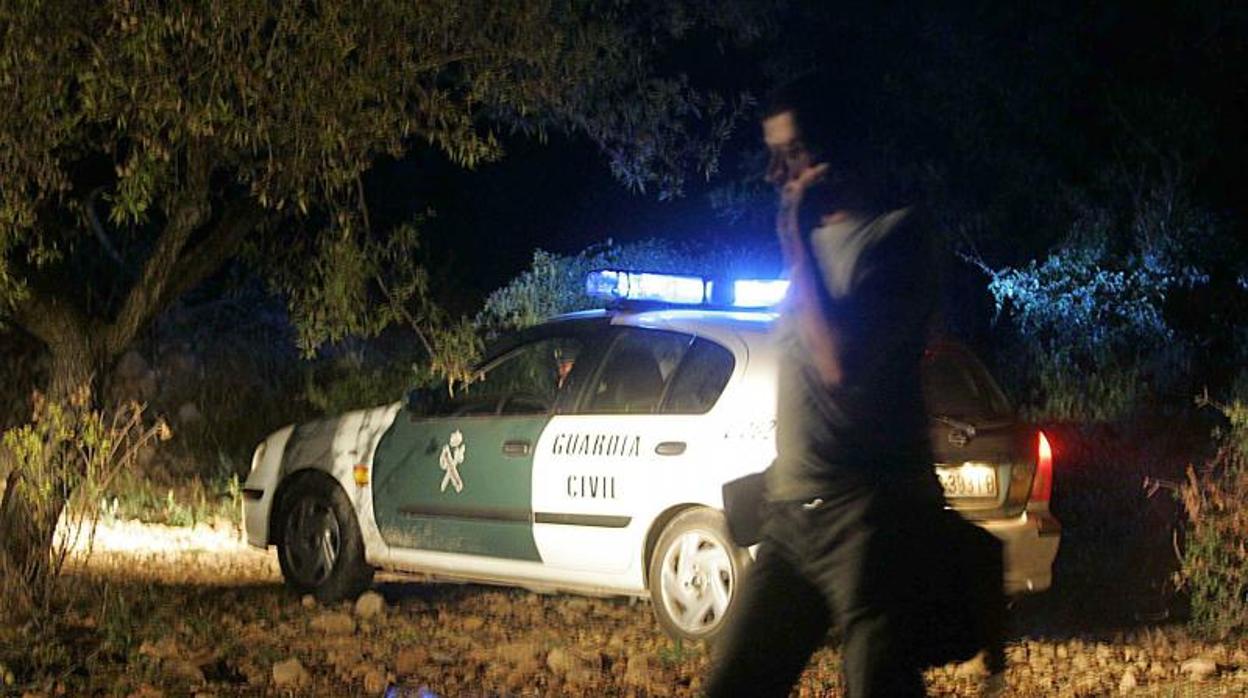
<point x="788" y="225"/>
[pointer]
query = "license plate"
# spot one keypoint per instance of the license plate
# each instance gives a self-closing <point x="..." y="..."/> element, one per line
<point x="969" y="480"/>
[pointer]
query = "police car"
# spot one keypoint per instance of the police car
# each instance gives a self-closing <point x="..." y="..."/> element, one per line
<point x="590" y="456"/>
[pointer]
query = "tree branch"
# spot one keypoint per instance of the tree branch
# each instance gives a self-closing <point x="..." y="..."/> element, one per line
<point x="240" y="217"/>
<point x="189" y="208"/>
<point x="96" y="227"/>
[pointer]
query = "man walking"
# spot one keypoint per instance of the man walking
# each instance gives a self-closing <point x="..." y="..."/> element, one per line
<point x="853" y="485"/>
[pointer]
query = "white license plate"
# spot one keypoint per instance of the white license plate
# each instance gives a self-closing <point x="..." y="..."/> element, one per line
<point x="969" y="480"/>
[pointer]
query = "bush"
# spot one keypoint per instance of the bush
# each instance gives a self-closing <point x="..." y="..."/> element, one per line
<point x="1215" y="556"/>
<point x="59" y="465"/>
<point x="1093" y="338"/>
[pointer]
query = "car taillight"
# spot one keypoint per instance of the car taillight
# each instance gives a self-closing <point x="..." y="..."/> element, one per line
<point x="1042" y="483"/>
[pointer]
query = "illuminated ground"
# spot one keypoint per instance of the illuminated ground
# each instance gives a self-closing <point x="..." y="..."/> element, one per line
<point x="181" y="611"/>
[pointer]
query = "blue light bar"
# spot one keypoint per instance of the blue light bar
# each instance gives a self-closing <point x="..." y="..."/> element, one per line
<point x="758" y="293"/>
<point x="614" y="285"/>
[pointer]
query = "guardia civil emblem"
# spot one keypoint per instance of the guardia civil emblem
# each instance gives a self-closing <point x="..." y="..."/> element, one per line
<point x="450" y="460"/>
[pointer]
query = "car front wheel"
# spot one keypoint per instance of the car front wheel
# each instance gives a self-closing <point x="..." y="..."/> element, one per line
<point x="320" y="549"/>
<point x="694" y="575"/>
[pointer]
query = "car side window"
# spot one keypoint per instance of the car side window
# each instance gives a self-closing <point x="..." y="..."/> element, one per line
<point x="526" y="380"/>
<point x="700" y="379"/>
<point x="637" y="368"/>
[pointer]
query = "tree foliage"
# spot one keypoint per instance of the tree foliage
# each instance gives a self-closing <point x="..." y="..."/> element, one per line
<point x="1102" y="322"/>
<point x="146" y="141"/>
<point x="146" y="144"/>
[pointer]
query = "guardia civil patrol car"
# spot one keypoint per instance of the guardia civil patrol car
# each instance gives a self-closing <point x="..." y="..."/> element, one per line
<point x="590" y="456"/>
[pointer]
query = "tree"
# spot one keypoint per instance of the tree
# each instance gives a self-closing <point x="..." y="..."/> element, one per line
<point x="145" y="144"/>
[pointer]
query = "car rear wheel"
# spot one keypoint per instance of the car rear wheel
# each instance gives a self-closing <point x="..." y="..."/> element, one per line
<point x="320" y="549"/>
<point x="695" y="570"/>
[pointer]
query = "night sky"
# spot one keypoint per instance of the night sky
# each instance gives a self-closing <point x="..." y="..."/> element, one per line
<point x="1071" y="60"/>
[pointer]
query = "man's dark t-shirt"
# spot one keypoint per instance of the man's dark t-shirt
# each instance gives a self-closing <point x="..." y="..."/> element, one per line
<point x="879" y="292"/>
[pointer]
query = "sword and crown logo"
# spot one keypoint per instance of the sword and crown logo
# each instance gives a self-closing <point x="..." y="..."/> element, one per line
<point x="451" y="458"/>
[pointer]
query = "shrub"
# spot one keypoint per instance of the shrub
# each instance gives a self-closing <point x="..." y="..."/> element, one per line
<point x="1093" y="338"/>
<point x="59" y="464"/>
<point x="1215" y="556"/>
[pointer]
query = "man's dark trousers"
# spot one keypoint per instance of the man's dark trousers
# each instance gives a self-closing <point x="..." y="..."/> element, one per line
<point x="845" y="557"/>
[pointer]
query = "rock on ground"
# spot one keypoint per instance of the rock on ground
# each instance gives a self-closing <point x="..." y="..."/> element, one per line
<point x="1199" y="668"/>
<point x="290" y="674"/>
<point x="334" y="624"/>
<point x="370" y="605"/>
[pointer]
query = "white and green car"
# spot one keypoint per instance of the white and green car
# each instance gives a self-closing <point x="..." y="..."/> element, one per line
<point x="589" y="459"/>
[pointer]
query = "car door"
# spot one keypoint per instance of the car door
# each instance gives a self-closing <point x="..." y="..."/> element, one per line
<point x="606" y="470"/>
<point x="460" y="479"/>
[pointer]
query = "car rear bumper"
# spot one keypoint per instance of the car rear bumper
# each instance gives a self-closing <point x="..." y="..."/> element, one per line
<point x="1030" y="546"/>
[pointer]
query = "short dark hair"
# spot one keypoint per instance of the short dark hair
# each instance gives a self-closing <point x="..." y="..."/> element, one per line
<point x="852" y="125"/>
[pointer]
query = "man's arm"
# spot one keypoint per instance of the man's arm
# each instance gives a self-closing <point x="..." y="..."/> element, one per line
<point x="807" y="298"/>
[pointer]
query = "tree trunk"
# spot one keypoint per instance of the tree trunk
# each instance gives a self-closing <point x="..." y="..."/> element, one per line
<point x="32" y="504"/>
<point x="83" y="347"/>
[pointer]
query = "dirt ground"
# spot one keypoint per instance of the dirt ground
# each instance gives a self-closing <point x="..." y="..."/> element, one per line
<point x="205" y="615"/>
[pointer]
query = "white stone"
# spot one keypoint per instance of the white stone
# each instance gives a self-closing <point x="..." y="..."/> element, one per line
<point x="1199" y="668"/>
<point x="370" y="605"/>
<point x="188" y="413"/>
<point x="972" y="668"/>
<point x="1128" y="682"/>
<point x="334" y="624"/>
<point x="290" y="674"/>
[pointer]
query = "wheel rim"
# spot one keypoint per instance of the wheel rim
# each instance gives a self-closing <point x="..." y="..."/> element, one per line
<point x="312" y="541"/>
<point x="697" y="582"/>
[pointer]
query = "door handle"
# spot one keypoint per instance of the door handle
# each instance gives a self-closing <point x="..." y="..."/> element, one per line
<point x="516" y="448"/>
<point x="670" y="448"/>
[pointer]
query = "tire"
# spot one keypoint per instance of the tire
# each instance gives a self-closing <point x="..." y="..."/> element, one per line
<point x="695" y="570"/>
<point x="319" y="547"/>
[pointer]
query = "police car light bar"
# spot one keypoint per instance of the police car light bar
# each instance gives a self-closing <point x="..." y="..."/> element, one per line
<point x="758" y="293"/>
<point x="614" y="285"/>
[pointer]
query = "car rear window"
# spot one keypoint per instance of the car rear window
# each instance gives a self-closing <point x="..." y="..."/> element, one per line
<point x="700" y="379"/>
<point x="956" y="384"/>
<point x="637" y="368"/>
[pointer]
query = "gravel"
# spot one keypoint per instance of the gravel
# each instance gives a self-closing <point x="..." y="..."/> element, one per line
<point x="464" y="639"/>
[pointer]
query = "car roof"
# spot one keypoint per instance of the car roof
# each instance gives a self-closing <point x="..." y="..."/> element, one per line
<point x="715" y="323"/>
<point x="712" y="322"/>
<point x="675" y="318"/>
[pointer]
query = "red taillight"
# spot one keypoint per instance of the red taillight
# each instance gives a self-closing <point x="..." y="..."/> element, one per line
<point x="1042" y="483"/>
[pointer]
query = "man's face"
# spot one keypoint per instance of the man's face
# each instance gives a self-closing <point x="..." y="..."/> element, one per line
<point x="789" y="156"/>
